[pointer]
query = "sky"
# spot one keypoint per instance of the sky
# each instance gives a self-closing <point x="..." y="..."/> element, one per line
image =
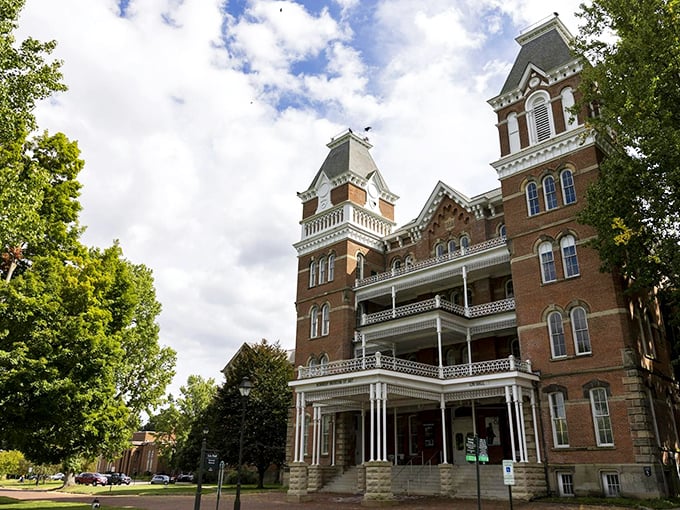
<point x="200" y="120"/>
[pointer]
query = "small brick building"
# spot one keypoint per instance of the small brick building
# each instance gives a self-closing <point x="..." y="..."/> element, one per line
<point x="484" y="321"/>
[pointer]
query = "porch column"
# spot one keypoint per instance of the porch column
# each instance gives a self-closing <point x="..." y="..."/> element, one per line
<point x="466" y="305"/>
<point x="394" y="302"/>
<point x="468" y="339"/>
<point x="363" y="351"/>
<point x="299" y="453"/>
<point x="363" y="434"/>
<point x="442" y="405"/>
<point x="315" y="435"/>
<point x="508" y="402"/>
<point x="334" y="438"/>
<point x="439" y="342"/>
<point x="520" y="392"/>
<point x="533" y="417"/>
<point x="372" y="431"/>
<point x="518" y="421"/>
<point x="384" y="421"/>
<point x="396" y="444"/>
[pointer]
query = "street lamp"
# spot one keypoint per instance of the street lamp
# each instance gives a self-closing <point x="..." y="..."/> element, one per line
<point x="244" y="388"/>
<point x="199" y="485"/>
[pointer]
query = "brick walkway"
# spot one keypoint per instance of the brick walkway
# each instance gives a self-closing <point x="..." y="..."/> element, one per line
<point x="277" y="500"/>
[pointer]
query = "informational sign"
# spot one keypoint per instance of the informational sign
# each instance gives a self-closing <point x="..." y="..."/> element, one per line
<point x="470" y="449"/>
<point x="476" y="450"/>
<point x="212" y="460"/>
<point x="508" y="472"/>
<point x="483" y="451"/>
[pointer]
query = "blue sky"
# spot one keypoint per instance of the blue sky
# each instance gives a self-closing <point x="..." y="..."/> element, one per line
<point x="200" y="120"/>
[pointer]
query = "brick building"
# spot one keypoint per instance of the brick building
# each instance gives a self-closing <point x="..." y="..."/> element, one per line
<point x="484" y="321"/>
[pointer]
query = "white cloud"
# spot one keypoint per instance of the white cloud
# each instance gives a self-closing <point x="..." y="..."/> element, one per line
<point x="199" y="127"/>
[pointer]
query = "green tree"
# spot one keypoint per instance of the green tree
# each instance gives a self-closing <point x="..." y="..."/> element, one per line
<point x="633" y="87"/>
<point x="12" y="462"/>
<point x="269" y="370"/>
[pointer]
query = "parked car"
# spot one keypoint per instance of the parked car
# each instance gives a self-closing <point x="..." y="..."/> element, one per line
<point x="94" y="479"/>
<point x="185" y="477"/>
<point x="57" y="476"/>
<point x="118" y="479"/>
<point x="160" y="479"/>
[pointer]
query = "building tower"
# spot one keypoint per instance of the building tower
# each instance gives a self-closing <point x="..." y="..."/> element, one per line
<point x="606" y="382"/>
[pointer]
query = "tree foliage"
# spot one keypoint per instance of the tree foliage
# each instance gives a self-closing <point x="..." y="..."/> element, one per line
<point x="269" y="370"/>
<point x="79" y="351"/>
<point x="634" y="83"/>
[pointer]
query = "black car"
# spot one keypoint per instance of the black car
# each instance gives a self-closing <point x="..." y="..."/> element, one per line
<point x="118" y="479"/>
<point x="185" y="477"/>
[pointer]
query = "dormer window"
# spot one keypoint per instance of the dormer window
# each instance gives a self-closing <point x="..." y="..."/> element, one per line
<point x="540" y="118"/>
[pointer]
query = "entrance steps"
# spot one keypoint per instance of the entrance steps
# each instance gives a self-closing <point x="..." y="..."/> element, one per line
<point x="417" y="480"/>
<point x="345" y="483"/>
<point x="491" y="485"/>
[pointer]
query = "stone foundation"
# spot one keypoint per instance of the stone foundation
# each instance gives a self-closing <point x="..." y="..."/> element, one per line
<point x="446" y="480"/>
<point x="297" y="483"/>
<point x="378" y="484"/>
<point x="529" y="481"/>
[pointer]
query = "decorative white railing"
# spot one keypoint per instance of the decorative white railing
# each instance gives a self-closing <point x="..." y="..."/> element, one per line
<point x="346" y="213"/>
<point x="378" y="361"/>
<point x="421" y="264"/>
<point x="436" y="303"/>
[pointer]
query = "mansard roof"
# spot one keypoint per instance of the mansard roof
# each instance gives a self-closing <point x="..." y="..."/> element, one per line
<point x="349" y="159"/>
<point x="545" y="47"/>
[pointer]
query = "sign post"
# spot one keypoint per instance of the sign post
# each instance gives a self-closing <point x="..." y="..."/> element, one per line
<point x="509" y="477"/>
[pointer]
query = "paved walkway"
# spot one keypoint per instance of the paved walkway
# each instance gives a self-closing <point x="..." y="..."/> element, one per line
<point x="277" y="500"/>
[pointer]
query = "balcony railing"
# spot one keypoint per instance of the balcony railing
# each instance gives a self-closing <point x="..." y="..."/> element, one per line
<point x="436" y="303"/>
<point x="378" y="361"/>
<point x="421" y="264"/>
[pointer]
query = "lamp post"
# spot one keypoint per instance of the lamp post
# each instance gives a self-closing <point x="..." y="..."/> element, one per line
<point x="244" y="388"/>
<point x="199" y="484"/>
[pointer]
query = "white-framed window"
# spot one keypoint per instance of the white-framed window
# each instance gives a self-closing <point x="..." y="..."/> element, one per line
<point x="601" y="418"/>
<point x="360" y="266"/>
<point x="558" y="417"/>
<point x="502" y="231"/>
<point x="408" y="261"/>
<point x="549" y="193"/>
<point x="325" y="319"/>
<point x="312" y="273"/>
<point x="413" y="435"/>
<point x="569" y="257"/>
<point x="611" y="484"/>
<point x="579" y="328"/>
<point x="322" y="270"/>
<point x="509" y="289"/>
<point x="312" y="365"/>
<point x="331" y="267"/>
<point x="568" y="189"/>
<point x="515" y="348"/>
<point x="540" y="117"/>
<point x="450" y="357"/>
<point x="545" y="252"/>
<point x="325" y="433"/>
<point x="570" y="120"/>
<point x="513" y="132"/>
<point x="323" y="363"/>
<point x="565" y="484"/>
<point x="314" y="322"/>
<point x="439" y="250"/>
<point x="533" y="205"/>
<point x="396" y="264"/>
<point x="558" y="346"/>
<point x="452" y="246"/>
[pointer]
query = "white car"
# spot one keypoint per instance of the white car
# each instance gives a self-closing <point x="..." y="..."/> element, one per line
<point x="160" y="479"/>
<point x="57" y="476"/>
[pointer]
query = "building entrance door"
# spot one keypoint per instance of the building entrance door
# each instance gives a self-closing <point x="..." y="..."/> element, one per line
<point x="462" y="428"/>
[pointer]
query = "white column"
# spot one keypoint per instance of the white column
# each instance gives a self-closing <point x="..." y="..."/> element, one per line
<point x="372" y="431"/>
<point x="363" y="351"/>
<point x="474" y="418"/>
<point x="296" y="441"/>
<point x="439" y="344"/>
<point x="384" y="421"/>
<point x="520" y="392"/>
<point x="442" y="405"/>
<point x="301" y="455"/>
<point x="332" y="424"/>
<point x="394" y="302"/>
<point x="508" y="402"/>
<point x="518" y="422"/>
<point x="533" y="417"/>
<point x="468" y="339"/>
<point x="396" y="445"/>
<point x="465" y="292"/>
<point x="363" y="434"/>
<point x="315" y="431"/>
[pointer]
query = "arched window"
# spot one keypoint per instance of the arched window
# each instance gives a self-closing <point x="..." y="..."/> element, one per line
<point x="452" y="246"/>
<point x="540" y="118"/>
<point x="360" y="266"/>
<point x="570" y="120"/>
<point x="514" y="348"/>
<point x="502" y="231"/>
<point x="323" y="364"/>
<point x="312" y="273"/>
<point x="558" y="417"/>
<point x="325" y="319"/>
<point x="396" y="264"/>
<point x="331" y="267"/>
<point x="322" y="270"/>
<point x="533" y="207"/>
<point x="464" y="242"/>
<point x="556" y="330"/>
<point x="549" y="193"/>
<point x="439" y="250"/>
<point x="569" y="258"/>
<point x="509" y="289"/>
<point x="568" y="190"/>
<point x="513" y="132"/>
<point x="408" y="261"/>
<point x="579" y="327"/>
<point x="314" y="322"/>
<point x="548" y="273"/>
<point x="601" y="418"/>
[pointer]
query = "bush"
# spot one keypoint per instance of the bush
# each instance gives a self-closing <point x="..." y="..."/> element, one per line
<point x="248" y="477"/>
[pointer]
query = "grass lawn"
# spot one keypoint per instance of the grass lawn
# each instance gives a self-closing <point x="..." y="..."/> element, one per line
<point x="13" y="504"/>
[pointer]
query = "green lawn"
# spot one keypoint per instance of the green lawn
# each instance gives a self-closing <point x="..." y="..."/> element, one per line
<point x="13" y="504"/>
